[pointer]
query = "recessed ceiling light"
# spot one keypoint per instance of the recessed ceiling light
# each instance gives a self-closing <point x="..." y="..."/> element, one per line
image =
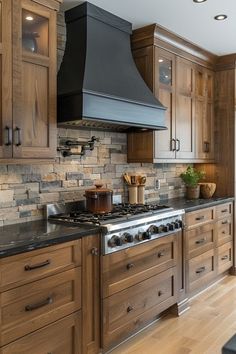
<point x="29" y="18"/>
<point x="160" y="60"/>
<point x="199" y="1"/>
<point x="220" y="17"/>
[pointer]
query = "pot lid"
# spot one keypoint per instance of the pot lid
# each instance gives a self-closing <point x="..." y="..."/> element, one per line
<point x="98" y="189"/>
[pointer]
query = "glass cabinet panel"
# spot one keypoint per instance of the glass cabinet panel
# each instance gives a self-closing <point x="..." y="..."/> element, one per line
<point x="34" y="33"/>
<point x="165" y="71"/>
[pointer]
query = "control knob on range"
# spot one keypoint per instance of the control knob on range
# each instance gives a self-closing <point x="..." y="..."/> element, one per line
<point x="153" y="229"/>
<point x="178" y="224"/>
<point x="115" y="241"/>
<point x="146" y="235"/>
<point x="128" y="237"/>
<point x="171" y="226"/>
<point x="166" y="228"/>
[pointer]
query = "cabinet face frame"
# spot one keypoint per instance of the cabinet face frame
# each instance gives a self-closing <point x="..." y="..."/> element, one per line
<point x="39" y="64"/>
<point x="6" y="79"/>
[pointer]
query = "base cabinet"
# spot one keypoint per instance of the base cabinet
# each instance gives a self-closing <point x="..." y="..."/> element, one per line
<point x="208" y="240"/>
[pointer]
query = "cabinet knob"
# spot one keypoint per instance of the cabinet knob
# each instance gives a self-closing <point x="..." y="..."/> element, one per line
<point x="160" y="254"/>
<point x="224" y="258"/>
<point x="129" y="308"/>
<point x="160" y="293"/>
<point x="94" y="251"/>
<point x="130" y="266"/>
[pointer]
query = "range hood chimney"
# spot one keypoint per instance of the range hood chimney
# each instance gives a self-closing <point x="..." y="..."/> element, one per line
<point x="99" y="85"/>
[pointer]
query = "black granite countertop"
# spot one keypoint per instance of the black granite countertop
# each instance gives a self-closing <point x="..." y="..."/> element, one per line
<point x="29" y="236"/>
<point x="195" y="204"/>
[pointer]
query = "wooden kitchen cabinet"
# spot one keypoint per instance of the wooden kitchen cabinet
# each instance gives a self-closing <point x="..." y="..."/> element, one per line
<point x="208" y="245"/>
<point x="173" y="73"/>
<point x="28" y="124"/>
<point x="50" y="299"/>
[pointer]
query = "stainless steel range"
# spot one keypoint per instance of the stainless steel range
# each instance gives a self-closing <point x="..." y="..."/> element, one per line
<point x="126" y="226"/>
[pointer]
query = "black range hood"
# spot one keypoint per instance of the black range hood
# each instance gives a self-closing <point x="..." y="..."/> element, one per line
<point x="99" y="85"/>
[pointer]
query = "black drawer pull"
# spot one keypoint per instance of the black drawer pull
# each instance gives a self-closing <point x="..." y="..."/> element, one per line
<point x="225" y="222"/>
<point x="223" y="232"/>
<point x="18" y="134"/>
<point x="200" y="218"/>
<point x="130" y="266"/>
<point x="129" y="309"/>
<point x="160" y="254"/>
<point x="33" y="307"/>
<point x="199" y="242"/>
<point x="224" y="210"/>
<point x="160" y="293"/>
<point x="224" y="258"/>
<point x="200" y="270"/>
<point x="9" y="136"/>
<point x="36" y="266"/>
<point x="94" y="251"/>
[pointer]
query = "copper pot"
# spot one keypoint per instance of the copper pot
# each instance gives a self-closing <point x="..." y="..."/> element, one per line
<point x="99" y="200"/>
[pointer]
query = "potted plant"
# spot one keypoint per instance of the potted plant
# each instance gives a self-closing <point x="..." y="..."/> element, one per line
<point x="191" y="177"/>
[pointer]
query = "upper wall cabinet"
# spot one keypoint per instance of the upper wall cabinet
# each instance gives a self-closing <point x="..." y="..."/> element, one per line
<point x="29" y="130"/>
<point x="184" y="85"/>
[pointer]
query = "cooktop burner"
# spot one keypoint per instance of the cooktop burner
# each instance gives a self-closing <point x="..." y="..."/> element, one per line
<point x="119" y="211"/>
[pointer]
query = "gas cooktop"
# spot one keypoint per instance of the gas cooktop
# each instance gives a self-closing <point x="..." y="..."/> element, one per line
<point x="120" y="212"/>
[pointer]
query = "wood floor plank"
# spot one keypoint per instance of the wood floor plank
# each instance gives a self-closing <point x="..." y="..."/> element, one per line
<point x="204" y="329"/>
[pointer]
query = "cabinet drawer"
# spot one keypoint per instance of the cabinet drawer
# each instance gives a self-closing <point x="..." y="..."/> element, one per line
<point x="128" y="267"/>
<point x="199" y="240"/>
<point x="200" y="270"/>
<point x="124" y="312"/>
<point x="199" y="217"/>
<point x="224" y="210"/>
<point x="32" y="306"/>
<point x="61" y="337"/>
<point x="225" y="257"/>
<point x="27" y="267"/>
<point x="224" y="230"/>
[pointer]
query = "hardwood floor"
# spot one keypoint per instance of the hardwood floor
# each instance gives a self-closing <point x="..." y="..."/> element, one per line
<point x="204" y="329"/>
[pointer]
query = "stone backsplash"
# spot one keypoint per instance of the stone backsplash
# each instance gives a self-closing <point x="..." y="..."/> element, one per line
<point x="25" y="189"/>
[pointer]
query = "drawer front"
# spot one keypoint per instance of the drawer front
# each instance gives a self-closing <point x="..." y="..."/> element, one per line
<point x="224" y="210"/>
<point x="62" y="337"/>
<point x="124" y="313"/>
<point x="32" y="306"/>
<point x="27" y="267"/>
<point x="200" y="240"/>
<point x="200" y="270"/>
<point x="128" y="267"/>
<point x="225" y="258"/>
<point x="199" y="217"/>
<point x="224" y="230"/>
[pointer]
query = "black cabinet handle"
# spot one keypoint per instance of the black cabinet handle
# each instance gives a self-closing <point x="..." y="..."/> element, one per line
<point x="178" y="145"/>
<point x="9" y="136"/>
<point x="199" y="242"/>
<point x="130" y="266"/>
<point x="18" y="134"/>
<point x="173" y="145"/>
<point x="200" y="218"/>
<point x="160" y="254"/>
<point x="206" y="146"/>
<point x="225" y="222"/>
<point x="38" y="265"/>
<point x="224" y="210"/>
<point x="224" y="257"/>
<point x="33" y="307"/>
<point x="160" y="293"/>
<point x="129" y="309"/>
<point x="200" y="270"/>
<point x="94" y="251"/>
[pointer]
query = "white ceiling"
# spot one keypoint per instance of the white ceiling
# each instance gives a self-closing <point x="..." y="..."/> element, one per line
<point x="192" y="21"/>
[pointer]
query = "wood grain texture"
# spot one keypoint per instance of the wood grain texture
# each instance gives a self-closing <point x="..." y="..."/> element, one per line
<point x="91" y="309"/>
<point x="62" y="337"/>
<point x="204" y="329"/>
<point x="53" y="297"/>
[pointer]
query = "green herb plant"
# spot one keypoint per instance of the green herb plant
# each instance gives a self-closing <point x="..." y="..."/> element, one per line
<point x="191" y="176"/>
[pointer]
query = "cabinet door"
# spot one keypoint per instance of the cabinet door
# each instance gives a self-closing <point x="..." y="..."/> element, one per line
<point x="90" y="294"/>
<point x="34" y="80"/>
<point x="184" y="109"/>
<point x="165" y="144"/>
<point x="204" y="124"/>
<point x="6" y="80"/>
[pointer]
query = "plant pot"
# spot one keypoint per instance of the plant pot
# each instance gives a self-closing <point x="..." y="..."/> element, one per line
<point x="192" y="192"/>
<point x="207" y="189"/>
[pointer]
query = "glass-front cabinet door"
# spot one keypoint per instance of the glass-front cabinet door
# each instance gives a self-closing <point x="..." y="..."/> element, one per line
<point x="165" y="143"/>
<point x="6" y="80"/>
<point x="34" y="77"/>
